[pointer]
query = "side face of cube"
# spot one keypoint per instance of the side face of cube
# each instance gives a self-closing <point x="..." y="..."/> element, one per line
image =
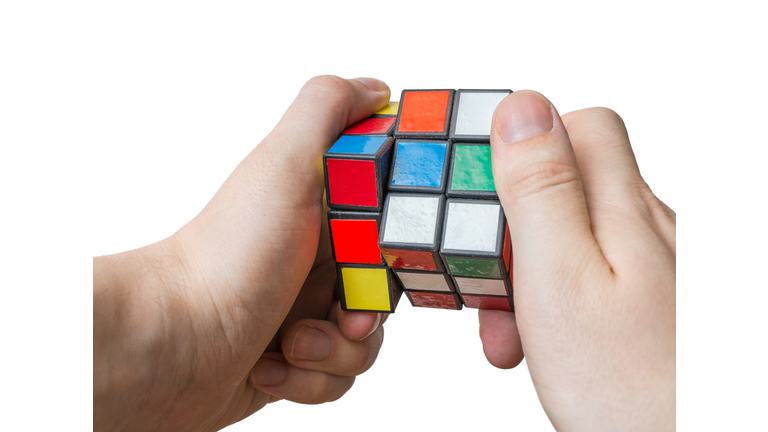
<point x="488" y="302"/>
<point x="415" y="280"/>
<point x="355" y="170"/>
<point x="411" y="226"/>
<point x="434" y="300"/>
<point x="424" y="114"/>
<point x="471" y="174"/>
<point x="482" y="286"/>
<point x="355" y="237"/>
<point x="472" y="114"/>
<point x="419" y="166"/>
<point x="473" y="240"/>
<point x="368" y="288"/>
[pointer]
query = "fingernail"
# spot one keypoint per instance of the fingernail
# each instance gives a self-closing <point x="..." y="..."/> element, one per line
<point x="523" y="115"/>
<point x="373" y="84"/>
<point x="310" y="344"/>
<point x="269" y="372"/>
<point x="375" y="326"/>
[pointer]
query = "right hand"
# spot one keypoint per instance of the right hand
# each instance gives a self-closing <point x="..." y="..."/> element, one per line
<point x="594" y="269"/>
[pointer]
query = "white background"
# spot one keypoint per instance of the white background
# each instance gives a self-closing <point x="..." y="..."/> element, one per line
<point x="119" y="121"/>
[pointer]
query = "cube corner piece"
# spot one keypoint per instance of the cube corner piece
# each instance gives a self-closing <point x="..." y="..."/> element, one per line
<point x="368" y="288"/>
<point x="474" y="239"/>
<point x="356" y="169"/>
<point x="411" y="226"/>
<point x="420" y="166"/>
<point x="472" y="114"/>
<point x="424" y="114"/>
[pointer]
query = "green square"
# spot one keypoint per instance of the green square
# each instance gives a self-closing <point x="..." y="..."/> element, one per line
<point x="472" y="168"/>
<point x="477" y="267"/>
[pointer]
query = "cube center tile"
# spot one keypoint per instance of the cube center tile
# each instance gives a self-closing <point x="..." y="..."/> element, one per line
<point x="472" y="227"/>
<point x="419" y="164"/>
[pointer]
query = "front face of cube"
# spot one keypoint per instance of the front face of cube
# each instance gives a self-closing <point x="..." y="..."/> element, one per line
<point x="424" y="114"/>
<point x="423" y="281"/>
<point x="419" y="166"/>
<point x="474" y="112"/>
<point x="473" y="240"/>
<point x="366" y="289"/>
<point x="355" y="240"/>
<point x="471" y="171"/>
<point x="434" y="300"/>
<point x="353" y="172"/>
<point x="484" y="302"/>
<point x="409" y="228"/>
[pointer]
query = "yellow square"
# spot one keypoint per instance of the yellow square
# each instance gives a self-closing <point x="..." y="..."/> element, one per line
<point x="390" y="109"/>
<point x="366" y="289"/>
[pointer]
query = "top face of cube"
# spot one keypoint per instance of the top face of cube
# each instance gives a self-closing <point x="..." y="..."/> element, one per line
<point x="472" y="114"/>
<point x="424" y="114"/>
<point x="471" y="173"/>
<point x="371" y="126"/>
<point x="419" y="166"/>
<point x="358" y="145"/>
<point x="473" y="228"/>
<point x="390" y="110"/>
<point x="411" y="220"/>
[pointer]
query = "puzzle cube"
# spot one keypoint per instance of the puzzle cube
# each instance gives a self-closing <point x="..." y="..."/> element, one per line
<point x="434" y="300"/>
<point x="415" y="280"/>
<point x="472" y="114"/>
<point x="356" y="168"/>
<point x="424" y="114"/>
<point x="410" y="231"/>
<point x="475" y="240"/>
<point x="355" y="237"/>
<point x="471" y="174"/>
<point x="367" y="288"/>
<point x="419" y="166"/>
<point x="372" y="126"/>
<point x="482" y="286"/>
<point x="488" y="302"/>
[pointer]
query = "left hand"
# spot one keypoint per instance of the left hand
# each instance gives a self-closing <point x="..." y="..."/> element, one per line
<point x="236" y="309"/>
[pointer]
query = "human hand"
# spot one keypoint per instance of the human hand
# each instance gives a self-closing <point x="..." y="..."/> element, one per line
<point x="594" y="269"/>
<point x="236" y="309"/>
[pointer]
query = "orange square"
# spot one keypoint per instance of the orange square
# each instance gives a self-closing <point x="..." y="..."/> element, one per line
<point x="424" y="111"/>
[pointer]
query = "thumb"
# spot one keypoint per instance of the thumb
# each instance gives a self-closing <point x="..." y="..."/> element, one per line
<point x="540" y="188"/>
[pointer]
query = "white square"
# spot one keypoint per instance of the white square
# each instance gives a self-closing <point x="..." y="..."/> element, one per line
<point x="472" y="227"/>
<point x="411" y="219"/>
<point x="424" y="281"/>
<point x="476" y="111"/>
<point x="481" y="286"/>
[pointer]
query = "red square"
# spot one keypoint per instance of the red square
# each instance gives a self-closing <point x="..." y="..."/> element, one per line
<point x="485" y="302"/>
<point x="433" y="300"/>
<point x="352" y="182"/>
<point x="355" y="241"/>
<point x="405" y="259"/>
<point x="370" y="126"/>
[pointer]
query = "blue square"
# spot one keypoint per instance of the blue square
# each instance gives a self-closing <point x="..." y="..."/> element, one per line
<point x="419" y="164"/>
<point x="356" y="144"/>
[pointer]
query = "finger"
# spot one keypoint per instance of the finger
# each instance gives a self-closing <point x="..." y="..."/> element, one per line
<point x="501" y="341"/>
<point x="621" y="206"/>
<point x="278" y="378"/>
<point x="319" y="345"/>
<point x="540" y="188"/>
<point x="356" y="326"/>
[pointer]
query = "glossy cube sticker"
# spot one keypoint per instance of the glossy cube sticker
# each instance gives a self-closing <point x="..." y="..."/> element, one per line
<point x="367" y="288"/>
<point x="472" y="114"/>
<point x="471" y="173"/>
<point x="419" y="166"/>
<point x="434" y="300"/>
<point x="424" y="281"/>
<point x="355" y="237"/>
<point x="410" y="231"/>
<point x="488" y="302"/>
<point x="424" y="114"/>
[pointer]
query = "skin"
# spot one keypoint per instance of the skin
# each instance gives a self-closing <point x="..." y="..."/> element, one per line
<point x="237" y="310"/>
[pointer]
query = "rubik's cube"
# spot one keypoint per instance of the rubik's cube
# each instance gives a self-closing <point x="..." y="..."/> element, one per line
<point x="414" y="207"/>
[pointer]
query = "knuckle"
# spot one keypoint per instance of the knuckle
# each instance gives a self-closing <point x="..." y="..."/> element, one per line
<point x="539" y="177"/>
